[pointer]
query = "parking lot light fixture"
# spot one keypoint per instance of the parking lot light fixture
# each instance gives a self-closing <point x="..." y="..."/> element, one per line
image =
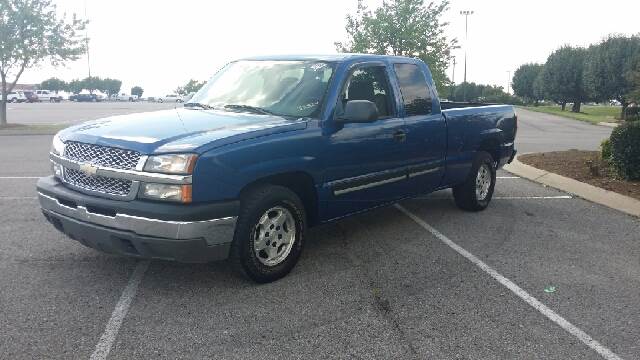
<point x="466" y="14"/>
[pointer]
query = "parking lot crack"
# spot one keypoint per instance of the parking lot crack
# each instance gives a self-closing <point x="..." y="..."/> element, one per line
<point x="380" y="302"/>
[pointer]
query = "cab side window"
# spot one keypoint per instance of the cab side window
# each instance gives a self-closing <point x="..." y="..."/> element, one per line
<point x="415" y="91"/>
<point x="369" y="83"/>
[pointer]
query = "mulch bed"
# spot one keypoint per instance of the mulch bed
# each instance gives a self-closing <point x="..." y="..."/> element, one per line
<point x="585" y="166"/>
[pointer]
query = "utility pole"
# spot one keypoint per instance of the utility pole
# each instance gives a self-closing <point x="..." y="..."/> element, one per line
<point x="508" y="82"/>
<point x="466" y="14"/>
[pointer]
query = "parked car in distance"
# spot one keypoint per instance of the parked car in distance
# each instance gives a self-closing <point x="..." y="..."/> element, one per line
<point x="125" y="97"/>
<point x="16" y="97"/>
<point x="270" y="147"/>
<point x="46" y="95"/>
<point x="30" y="96"/>
<point x="170" y="98"/>
<point x="84" y="98"/>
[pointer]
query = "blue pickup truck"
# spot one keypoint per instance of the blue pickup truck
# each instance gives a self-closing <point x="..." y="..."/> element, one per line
<point x="269" y="147"/>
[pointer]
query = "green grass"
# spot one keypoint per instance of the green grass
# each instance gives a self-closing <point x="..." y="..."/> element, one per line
<point x="29" y="129"/>
<point x="589" y="113"/>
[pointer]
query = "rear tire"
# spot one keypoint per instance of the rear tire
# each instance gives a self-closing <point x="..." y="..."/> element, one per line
<point x="476" y="192"/>
<point x="269" y="234"/>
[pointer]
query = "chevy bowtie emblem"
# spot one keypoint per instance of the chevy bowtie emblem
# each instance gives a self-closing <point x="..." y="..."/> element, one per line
<point x="88" y="169"/>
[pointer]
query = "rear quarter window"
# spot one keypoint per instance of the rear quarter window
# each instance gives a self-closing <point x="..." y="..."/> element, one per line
<point x="415" y="91"/>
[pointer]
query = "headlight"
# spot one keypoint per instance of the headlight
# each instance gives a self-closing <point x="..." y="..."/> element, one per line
<point x="166" y="192"/>
<point x="57" y="147"/>
<point x="171" y="164"/>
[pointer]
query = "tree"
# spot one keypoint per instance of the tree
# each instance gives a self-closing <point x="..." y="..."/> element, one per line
<point x="137" y="90"/>
<point x="111" y="86"/>
<point x="75" y="86"/>
<point x="30" y="33"/>
<point x="523" y="82"/>
<point x="191" y="86"/>
<point x="92" y="83"/>
<point x="538" y="86"/>
<point x="562" y="77"/>
<point x="404" y="28"/>
<point x="608" y="69"/>
<point x="53" y="84"/>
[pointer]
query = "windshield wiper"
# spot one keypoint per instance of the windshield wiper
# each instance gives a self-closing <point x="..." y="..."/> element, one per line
<point x="198" y="105"/>
<point x="253" y="109"/>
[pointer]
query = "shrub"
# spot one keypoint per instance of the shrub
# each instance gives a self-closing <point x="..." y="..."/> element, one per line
<point x="632" y="113"/>
<point x="605" y="147"/>
<point x="625" y="150"/>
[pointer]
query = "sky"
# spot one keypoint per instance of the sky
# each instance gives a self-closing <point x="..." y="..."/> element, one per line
<point x="160" y="45"/>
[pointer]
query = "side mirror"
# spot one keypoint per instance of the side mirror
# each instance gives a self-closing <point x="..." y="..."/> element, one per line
<point x="359" y="111"/>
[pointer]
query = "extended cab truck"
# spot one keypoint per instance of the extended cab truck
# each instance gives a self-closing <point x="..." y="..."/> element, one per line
<point x="46" y="95"/>
<point x="269" y="147"/>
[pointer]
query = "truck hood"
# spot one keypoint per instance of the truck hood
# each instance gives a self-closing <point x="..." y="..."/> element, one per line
<point x="178" y="130"/>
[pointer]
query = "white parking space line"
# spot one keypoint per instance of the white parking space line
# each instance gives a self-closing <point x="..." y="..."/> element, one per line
<point x="119" y="313"/>
<point x="558" y="197"/>
<point x="532" y="197"/>
<point x="507" y="177"/>
<point x="535" y="303"/>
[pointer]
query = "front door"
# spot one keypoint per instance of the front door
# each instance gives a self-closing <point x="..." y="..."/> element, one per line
<point x="365" y="163"/>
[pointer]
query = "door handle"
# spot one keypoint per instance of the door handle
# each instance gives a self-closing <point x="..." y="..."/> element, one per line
<point x="399" y="136"/>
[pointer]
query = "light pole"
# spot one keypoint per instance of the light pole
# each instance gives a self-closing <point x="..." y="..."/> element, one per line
<point x="453" y="79"/>
<point x="466" y="14"/>
<point x="508" y="82"/>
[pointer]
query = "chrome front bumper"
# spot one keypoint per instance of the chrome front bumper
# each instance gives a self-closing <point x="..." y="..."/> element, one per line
<point x="214" y="231"/>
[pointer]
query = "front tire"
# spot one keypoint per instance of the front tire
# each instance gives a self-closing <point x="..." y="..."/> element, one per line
<point x="476" y="192"/>
<point x="269" y="234"/>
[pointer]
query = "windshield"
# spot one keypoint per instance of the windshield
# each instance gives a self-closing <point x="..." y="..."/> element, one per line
<point x="285" y="88"/>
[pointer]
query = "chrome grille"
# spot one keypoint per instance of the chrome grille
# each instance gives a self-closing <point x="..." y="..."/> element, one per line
<point x="101" y="184"/>
<point x="102" y="155"/>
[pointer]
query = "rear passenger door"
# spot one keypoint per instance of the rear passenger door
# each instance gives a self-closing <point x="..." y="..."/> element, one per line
<point x="426" y="128"/>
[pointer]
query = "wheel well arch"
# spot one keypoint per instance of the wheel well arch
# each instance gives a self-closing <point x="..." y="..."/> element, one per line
<point x="299" y="182"/>
<point x="491" y="146"/>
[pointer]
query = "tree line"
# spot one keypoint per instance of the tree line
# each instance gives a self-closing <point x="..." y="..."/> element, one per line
<point x="608" y="70"/>
<point x="93" y="83"/>
<point x="479" y="93"/>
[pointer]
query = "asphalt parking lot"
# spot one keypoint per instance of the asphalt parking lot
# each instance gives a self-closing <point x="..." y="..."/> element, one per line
<point x="67" y="112"/>
<point x="419" y="280"/>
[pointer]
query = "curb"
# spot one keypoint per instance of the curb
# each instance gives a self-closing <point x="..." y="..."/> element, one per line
<point x="589" y="192"/>
<point x="608" y="124"/>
